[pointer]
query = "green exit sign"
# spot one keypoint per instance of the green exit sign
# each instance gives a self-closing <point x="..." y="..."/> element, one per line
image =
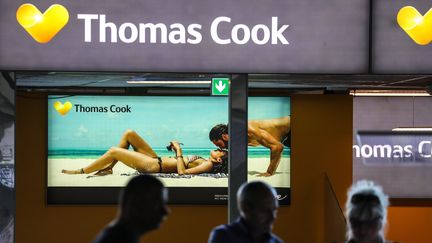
<point x="220" y="86"/>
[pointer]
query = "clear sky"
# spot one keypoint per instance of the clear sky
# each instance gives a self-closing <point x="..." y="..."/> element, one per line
<point x="268" y="107"/>
<point x="158" y="119"/>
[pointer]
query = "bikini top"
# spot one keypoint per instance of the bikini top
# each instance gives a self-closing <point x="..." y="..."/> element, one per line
<point x="217" y="167"/>
<point x="192" y="158"/>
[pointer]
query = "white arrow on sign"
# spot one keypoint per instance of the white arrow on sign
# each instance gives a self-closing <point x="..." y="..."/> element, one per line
<point x="220" y="86"/>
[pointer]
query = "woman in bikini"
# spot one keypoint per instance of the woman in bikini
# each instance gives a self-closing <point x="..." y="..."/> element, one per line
<point x="145" y="160"/>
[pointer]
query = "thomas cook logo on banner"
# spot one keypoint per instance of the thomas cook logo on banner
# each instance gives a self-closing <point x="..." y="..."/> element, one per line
<point x="62" y="109"/>
<point x="42" y="26"/>
<point x="45" y="26"/>
<point x="416" y="25"/>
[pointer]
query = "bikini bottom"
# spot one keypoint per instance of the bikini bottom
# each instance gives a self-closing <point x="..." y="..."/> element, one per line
<point x="287" y="140"/>
<point x="160" y="164"/>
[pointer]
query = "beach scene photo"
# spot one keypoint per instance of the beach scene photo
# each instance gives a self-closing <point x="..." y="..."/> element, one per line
<point x="93" y="124"/>
<point x="58" y="160"/>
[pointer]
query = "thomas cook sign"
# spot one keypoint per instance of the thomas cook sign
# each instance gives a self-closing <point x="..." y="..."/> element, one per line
<point x="255" y="36"/>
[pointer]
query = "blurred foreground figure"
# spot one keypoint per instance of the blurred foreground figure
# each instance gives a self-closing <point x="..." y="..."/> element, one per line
<point x="366" y="210"/>
<point x="142" y="208"/>
<point x="7" y="202"/>
<point x="258" y="206"/>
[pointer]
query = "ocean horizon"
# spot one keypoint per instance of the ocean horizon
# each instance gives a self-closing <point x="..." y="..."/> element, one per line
<point x="161" y="152"/>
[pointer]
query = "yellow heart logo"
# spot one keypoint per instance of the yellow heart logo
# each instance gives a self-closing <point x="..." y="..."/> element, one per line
<point x="417" y="26"/>
<point x="62" y="109"/>
<point x="42" y="27"/>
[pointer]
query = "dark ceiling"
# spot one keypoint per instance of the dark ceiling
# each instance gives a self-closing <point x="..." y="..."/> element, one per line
<point x="293" y="82"/>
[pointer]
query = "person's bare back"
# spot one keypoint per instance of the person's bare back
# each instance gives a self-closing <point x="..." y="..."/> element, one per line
<point x="278" y="128"/>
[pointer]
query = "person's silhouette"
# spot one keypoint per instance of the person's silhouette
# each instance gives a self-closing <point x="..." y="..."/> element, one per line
<point x="258" y="206"/>
<point x="366" y="210"/>
<point x="7" y="203"/>
<point x="142" y="208"/>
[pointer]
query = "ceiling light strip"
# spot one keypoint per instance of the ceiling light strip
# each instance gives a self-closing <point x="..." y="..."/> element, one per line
<point x="389" y="93"/>
<point x="168" y="82"/>
<point x="412" y="129"/>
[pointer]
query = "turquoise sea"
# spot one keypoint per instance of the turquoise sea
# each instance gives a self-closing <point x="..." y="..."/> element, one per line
<point x="162" y="152"/>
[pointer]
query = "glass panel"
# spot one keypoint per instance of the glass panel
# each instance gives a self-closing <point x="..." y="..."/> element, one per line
<point x="7" y="162"/>
<point x="387" y="150"/>
<point x="269" y="140"/>
<point x="141" y="126"/>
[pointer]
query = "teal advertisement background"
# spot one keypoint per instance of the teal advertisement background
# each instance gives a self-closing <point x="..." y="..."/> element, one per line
<point x="158" y="120"/>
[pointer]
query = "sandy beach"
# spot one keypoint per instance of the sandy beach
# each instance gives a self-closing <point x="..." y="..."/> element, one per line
<point x="281" y="178"/>
<point x="122" y="174"/>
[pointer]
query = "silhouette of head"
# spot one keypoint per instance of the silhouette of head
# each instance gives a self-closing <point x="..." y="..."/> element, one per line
<point x="258" y="205"/>
<point x="366" y="210"/>
<point x="143" y="203"/>
<point x="219" y="136"/>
